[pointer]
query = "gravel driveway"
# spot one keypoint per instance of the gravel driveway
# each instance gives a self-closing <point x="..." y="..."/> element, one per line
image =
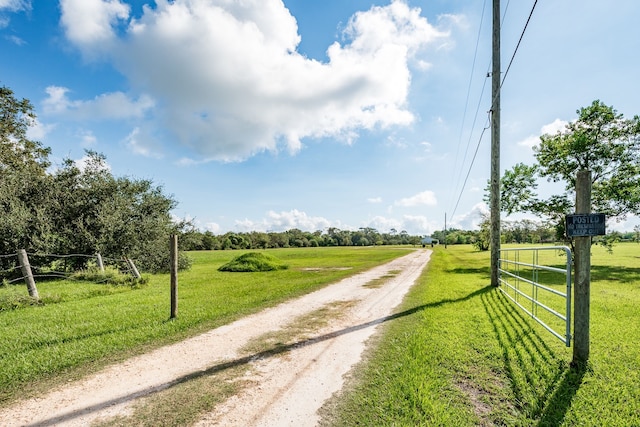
<point x="290" y="384"/>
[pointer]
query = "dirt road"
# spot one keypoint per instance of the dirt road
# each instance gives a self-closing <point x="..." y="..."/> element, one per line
<point x="292" y="382"/>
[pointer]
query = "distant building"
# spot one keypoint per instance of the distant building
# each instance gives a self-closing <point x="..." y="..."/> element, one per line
<point x="429" y="241"/>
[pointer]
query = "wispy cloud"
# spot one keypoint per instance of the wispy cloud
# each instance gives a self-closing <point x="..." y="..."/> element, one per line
<point x="12" y="6"/>
<point x="15" y="39"/>
<point x="15" y="5"/>
<point x="109" y="106"/>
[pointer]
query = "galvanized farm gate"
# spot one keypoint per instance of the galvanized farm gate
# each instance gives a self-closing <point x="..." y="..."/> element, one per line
<point x="520" y="274"/>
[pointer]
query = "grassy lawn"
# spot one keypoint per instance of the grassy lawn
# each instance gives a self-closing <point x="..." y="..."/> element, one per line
<point x="84" y="326"/>
<point x="460" y="353"/>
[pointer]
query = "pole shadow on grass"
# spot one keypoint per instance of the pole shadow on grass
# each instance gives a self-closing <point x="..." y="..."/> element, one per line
<point x="615" y="273"/>
<point x="277" y="350"/>
<point x="543" y="383"/>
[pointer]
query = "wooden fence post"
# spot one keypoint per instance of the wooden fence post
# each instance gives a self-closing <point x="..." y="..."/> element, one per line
<point x="582" y="286"/>
<point x="99" y="262"/>
<point x="133" y="268"/>
<point x="173" y="267"/>
<point x="28" y="275"/>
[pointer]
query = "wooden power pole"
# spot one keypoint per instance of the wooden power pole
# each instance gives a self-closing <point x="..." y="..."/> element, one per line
<point x="495" y="146"/>
<point x="445" y="230"/>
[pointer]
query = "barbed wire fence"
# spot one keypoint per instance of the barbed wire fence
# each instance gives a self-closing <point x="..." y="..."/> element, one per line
<point x="23" y="266"/>
<point x="8" y="271"/>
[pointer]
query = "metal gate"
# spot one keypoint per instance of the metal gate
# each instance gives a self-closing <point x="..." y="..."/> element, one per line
<point x="523" y="272"/>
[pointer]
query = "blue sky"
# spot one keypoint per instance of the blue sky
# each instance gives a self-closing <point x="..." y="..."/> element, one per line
<point x="278" y="114"/>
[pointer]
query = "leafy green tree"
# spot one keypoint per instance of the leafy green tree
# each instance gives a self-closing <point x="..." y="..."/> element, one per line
<point x="23" y="178"/>
<point x="483" y="238"/>
<point x="17" y="152"/>
<point x="73" y="210"/>
<point x="600" y="140"/>
<point x="93" y="211"/>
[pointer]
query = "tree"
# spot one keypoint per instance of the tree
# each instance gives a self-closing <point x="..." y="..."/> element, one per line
<point x="93" y="211"/>
<point x="600" y="140"/>
<point x="483" y="238"/>
<point x="74" y="210"/>
<point x="23" y="178"/>
<point x="17" y="152"/>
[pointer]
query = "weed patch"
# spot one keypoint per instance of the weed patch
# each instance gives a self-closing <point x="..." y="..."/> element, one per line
<point x="298" y="330"/>
<point x="110" y="276"/>
<point x="13" y="299"/>
<point x="380" y="281"/>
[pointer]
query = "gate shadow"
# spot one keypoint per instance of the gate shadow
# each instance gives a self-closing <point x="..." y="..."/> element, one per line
<point x="543" y="383"/>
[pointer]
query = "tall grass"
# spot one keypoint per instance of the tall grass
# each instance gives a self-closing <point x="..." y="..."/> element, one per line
<point x="81" y="326"/>
<point x="460" y="353"/>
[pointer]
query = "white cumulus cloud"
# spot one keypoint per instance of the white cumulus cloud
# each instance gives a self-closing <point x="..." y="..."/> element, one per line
<point x="549" y="129"/>
<point x="89" y="23"/>
<point x="228" y="78"/>
<point x="470" y="220"/>
<point x="415" y="225"/>
<point x="39" y="130"/>
<point x="285" y="220"/>
<point x="425" y="198"/>
<point x="140" y="143"/>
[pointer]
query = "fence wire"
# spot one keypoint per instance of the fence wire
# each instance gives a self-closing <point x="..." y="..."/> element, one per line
<point x="44" y="266"/>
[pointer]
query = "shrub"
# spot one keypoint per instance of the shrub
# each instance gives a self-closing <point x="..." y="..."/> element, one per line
<point x="109" y="276"/>
<point x="252" y="262"/>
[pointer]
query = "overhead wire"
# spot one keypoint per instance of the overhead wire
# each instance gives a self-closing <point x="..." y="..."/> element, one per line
<point x="466" y="104"/>
<point x="535" y="3"/>
<point x="493" y="100"/>
<point x="470" y="166"/>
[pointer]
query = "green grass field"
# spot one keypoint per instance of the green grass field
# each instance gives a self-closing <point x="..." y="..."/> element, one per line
<point x="83" y="326"/>
<point x="460" y="353"/>
<point x="457" y="353"/>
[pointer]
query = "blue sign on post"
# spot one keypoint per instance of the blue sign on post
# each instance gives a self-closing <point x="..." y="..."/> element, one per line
<point x="585" y="225"/>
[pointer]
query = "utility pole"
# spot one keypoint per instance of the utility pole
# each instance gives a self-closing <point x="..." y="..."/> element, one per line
<point x="445" y="230"/>
<point x="495" y="146"/>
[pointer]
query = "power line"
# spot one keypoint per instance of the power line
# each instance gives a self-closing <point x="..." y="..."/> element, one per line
<point x="535" y="3"/>
<point x="492" y="101"/>
<point x="466" y="104"/>
<point x="470" y="167"/>
<point x="476" y="113"/>
<point x="519" y="41"/>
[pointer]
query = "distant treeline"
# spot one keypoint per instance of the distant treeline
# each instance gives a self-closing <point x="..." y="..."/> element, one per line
<point x="294" y="238"/>
<point x="523" y="231"/>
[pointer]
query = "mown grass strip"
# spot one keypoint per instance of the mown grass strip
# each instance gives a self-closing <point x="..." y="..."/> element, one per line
<point x="461" y="354"/>
<point x="85" y="327"/>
